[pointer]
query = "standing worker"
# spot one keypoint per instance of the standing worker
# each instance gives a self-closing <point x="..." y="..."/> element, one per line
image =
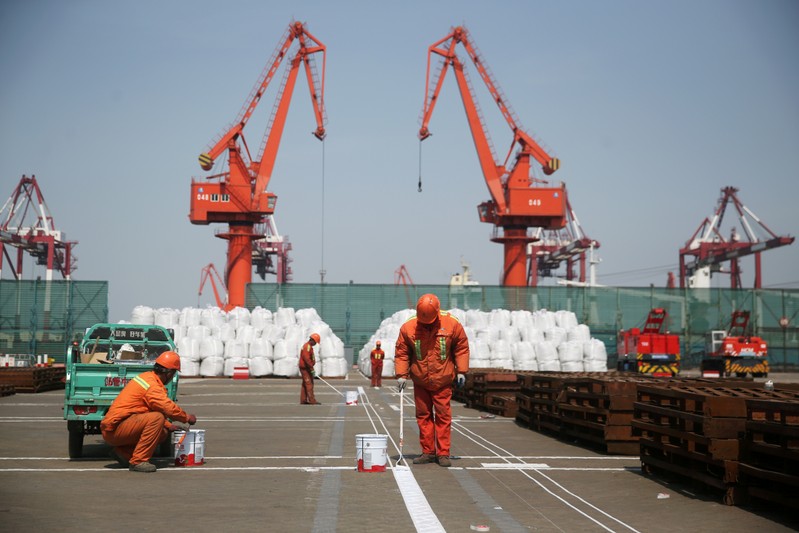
<point x="307" y="362"/>
<point x="376" y="358"/>
<point x="432" y="349"/>
<point x="136" y="422"/>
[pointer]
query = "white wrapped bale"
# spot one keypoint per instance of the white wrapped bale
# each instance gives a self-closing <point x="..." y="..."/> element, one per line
<point x="570" y="351"/>
<point x="594" y="350"/>
<point x="572" y="366"/>
<point x="213" y="317"/>
<point x="501" y="363"/>
<point x="388" y="369"/>
<point x="238" y="317"/>
<point x="580" y="332"/>
<point x="545" y="352"/>
<point x="189" y="350"/>
<point x="190" y="316"/>
<point x="211" y="347"/>
<point x="232" y="363"/>
<point x="260" y="367"/>
<point x="500" y="350"/>
<point x="595" y="365"/>
<point x="549" y="365"/>
<point x="166" y="317"/>
<point x="142" y="315"/>
<point x="212" y="366"/>
<point x="189" y="368"/>
<point x="287" y="367"/>
<point x="226" y="332"/>
<point x="260" y="318"/>
<point x="284" y="317"/>
<point x="566" y="319"/>
<point x="236" y="349"/>
<point x="530" y="365"/>
<point x="246" y="334"/>
<point x="261" y="348"/>
<point x="198" y="332"/>
<point x="334" y="367"/>
<point x="555" y="335"/>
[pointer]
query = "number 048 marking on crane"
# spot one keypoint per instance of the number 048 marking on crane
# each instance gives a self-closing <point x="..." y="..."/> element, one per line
<point x="534" y="202"/>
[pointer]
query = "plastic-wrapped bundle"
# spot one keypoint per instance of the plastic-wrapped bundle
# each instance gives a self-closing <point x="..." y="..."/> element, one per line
<point x="365" y="366"/>
<point x="306" y="317"/>
<point x="227" y="332"/>
<point x="213" y="317"/>
<point x="232" y="362"/>
<point x="580" y="332"/>
<point x="532" y="334"/>
<point x="261" y="348"/>
<point x="572" y="366"/>
<point x="501" y="363"/>
<point x="281" y="350"/>
<point x="198" y="332"/>
<point x="142" y="315"/>
<point x="595" y="365"/>
<point x="499" y="318"/>
<point x="546" y="352"/>
<point x="236" y="349"/>
<point x="521" y="319"/>
<point x="239" y="316"/>
<point x="273" y="333"/>
<point x="178" y="332"/>
<point x="211" y="347"/>
<point x="246" y="334"/>
<point x="510" y="334"/>
<point x="544" y="320"/>
<point x="260" y="366"/>
<point x="549" y="365"/>
<point x="296" y="335"/>
<point x="566" y="319"/>
<point x="555" y="335"/>
<point x="330" y="347"/>
<point x="287" y="367"/>
<point x="212" y="366"/>
<point x="570" y="351"/>
<point x="190" y="316"/>
<point x="189" y="368"/>
<point x="479" y="350"/>
<point x="479" y="363"/>
<point x="388" y="369"/>
<point x="189" y="350"/>
<point x="334" y="367"/>
<point x="260" y="318"/>
<point x="489" y="334"/>
<point x="594" y="350"/>
<point x="526" y="365"/>
<point x="166" y="317"/>
<point x="476" y="319"/>
<point x="522" y="351"/>
<point x="500" y="350"/>
<point x="284" y="317"/>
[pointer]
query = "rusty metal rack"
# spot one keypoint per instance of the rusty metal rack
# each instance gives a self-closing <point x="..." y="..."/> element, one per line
<point x="7" y="389"/>
<point x="33" y="379"/>
<point x="494" y="392"/>
<point x="770" y="464"/>
<point x="696" y="431"/>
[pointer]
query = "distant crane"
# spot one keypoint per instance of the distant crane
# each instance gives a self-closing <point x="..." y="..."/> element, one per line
<point x="239" y="197"/>
<point x="27" y="225"/>
<point x="208" y="273"/>
<point x="516" y="204"/>
<point x="710" y="249"/>
<point x="568" y="244"/>
<point x="402" y="276"/>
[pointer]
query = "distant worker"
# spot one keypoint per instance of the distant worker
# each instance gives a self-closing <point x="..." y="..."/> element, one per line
<point x="139" y="418"/>
<point x="307" y="372"/>
<point x="432" y="349"/>
<point x="376" y="358"/>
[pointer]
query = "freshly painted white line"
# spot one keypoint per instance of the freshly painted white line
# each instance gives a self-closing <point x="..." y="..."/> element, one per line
<point x="418" y="507"/>
<point x="204" y="468"/>
<point x="513" y="466"/>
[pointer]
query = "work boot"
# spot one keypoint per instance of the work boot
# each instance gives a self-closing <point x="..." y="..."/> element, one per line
<point x="443" y="460"/>
<point x="424" y="459"/>
<point x="143" y="467"/>
<point x="315" y="403"/>
<point x="118" y="458"/>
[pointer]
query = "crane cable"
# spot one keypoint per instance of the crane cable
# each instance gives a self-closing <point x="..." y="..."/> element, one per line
<point x="420" y="165"/>
<point x="322" y="267"/>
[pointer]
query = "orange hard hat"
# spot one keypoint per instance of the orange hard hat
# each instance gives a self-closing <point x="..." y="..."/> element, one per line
<point x="315" y="337"/>
<point x="169" y="360"/>
<point x="427" y="308"/>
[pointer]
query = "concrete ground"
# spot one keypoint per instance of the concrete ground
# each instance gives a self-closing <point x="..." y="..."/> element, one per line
<point x="275" y="465"/>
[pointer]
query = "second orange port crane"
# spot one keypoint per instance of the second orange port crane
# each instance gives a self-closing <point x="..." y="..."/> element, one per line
<point x="239" y="197"/>
<point x="518" y="202"/>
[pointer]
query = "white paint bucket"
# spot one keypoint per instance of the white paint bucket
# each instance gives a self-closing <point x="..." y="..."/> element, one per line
<point x="190" y="452"/>
<point x="370" y="453"/>
<point x="351" y="397"/>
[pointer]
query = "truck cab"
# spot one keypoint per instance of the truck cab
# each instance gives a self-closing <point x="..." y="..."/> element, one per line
<point x="98" y="367"/>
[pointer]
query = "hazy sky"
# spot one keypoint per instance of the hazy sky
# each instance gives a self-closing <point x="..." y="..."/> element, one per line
<point x="652" y="107"/>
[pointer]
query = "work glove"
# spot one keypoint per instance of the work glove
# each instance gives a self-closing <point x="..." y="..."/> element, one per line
<point x="192" y="420"/>
<point x="177" y="426"/>
<point x="400" y="384"/>
<point x="460" y="381"/>
<point x="313" y="374"/>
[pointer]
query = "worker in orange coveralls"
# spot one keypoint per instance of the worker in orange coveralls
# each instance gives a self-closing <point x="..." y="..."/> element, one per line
<point x="432" y="349"/>
<point x="138" y="419"/>
<point x="307" y="372"/>
<point x="376" y="358"/>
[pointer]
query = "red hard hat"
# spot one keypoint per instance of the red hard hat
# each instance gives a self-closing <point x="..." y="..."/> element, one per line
<point x="169" y="360"/>
<point x="315" y="337"/>
<point x="427" y="308"/>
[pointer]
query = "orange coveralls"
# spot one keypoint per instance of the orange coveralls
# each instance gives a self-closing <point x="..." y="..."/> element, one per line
<point x="136" y="421"/>
<point x="376" y="358"/>
<point x="307" y="362"/>
<point x="432" y="355"/>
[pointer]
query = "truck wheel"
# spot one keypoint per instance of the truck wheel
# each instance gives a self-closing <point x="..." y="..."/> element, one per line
<point x="75" y="439"/>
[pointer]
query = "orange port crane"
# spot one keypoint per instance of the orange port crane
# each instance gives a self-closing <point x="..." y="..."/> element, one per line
<point x="208" y="273"/>
<point x="239" y="196"/>
<point x="518" y="201"/>
<point x="401" y="275"/>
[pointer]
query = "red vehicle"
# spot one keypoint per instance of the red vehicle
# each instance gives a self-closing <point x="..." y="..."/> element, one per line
<point x="651" y="351"/>
<point x="735" y="351"/>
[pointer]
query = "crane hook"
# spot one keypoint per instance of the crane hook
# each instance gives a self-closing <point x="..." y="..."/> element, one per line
<point x="420" y="166"/>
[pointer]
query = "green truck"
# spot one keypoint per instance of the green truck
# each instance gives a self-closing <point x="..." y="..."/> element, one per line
<point x="100" y="365"/>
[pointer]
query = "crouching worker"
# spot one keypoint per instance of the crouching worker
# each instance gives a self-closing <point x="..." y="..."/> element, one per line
<point x="139" y="418"/>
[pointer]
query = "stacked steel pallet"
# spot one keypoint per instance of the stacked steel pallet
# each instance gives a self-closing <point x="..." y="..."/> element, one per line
<point x="33" y="379"/>
<point x="7" y="389"/>
<point x="494" y="392"/>
<point x="698" y="432"/>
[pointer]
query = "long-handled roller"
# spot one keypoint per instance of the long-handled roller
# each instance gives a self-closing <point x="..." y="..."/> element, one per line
<point x="402" y="423"/>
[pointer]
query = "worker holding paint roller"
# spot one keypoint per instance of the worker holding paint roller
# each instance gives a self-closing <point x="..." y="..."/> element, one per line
<point x="433" y="351"/>
<point x="139" y="418"/>
<point x="376" y="359"/>
<point x="307" y="372"/>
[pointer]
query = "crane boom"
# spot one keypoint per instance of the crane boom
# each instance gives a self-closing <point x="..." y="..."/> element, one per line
<point x="516" y="204"/>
